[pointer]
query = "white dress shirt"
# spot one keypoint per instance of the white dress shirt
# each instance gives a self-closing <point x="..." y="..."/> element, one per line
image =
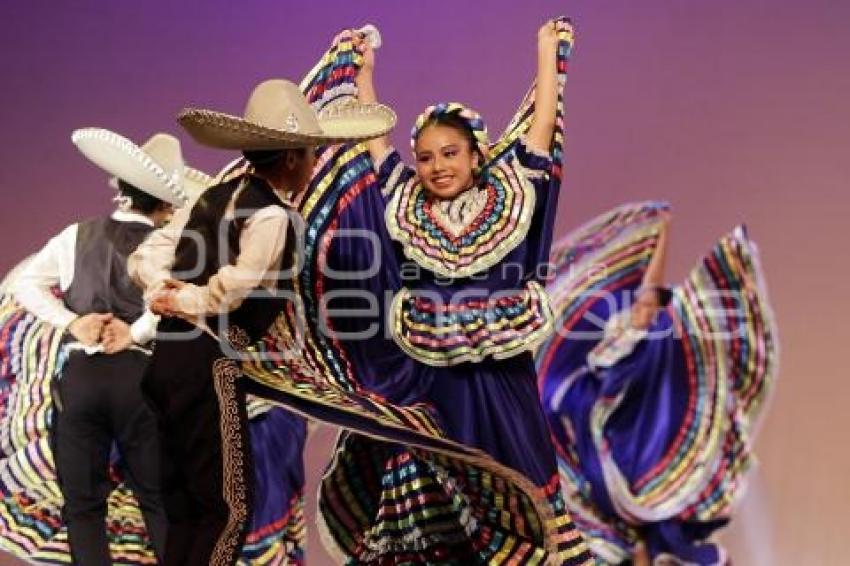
<point x="54" y="265"/>
<point x="261" y="246"/>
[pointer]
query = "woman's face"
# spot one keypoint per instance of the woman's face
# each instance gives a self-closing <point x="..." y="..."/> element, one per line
<point x="444" y="161"/>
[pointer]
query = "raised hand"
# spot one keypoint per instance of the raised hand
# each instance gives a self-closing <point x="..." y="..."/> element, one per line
<point x="363" y="46"/>
<point x="87" y="329"/>
<point x="551" y="33"/>
<point x="365" y="41"/>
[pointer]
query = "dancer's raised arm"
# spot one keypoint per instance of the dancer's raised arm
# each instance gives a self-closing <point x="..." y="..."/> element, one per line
<point x="539" y="134"/>
<point x="653" y="295"/>
<point x="654" y="276"/>
<point x="377" y="147"/>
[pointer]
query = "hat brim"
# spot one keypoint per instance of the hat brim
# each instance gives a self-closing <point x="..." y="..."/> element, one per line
<point x="345" y="123"/>
<point x="123" y="159"/>
<point x="194" y="183"/>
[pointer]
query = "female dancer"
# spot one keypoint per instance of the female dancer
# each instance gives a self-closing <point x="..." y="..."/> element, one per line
<point x="448" y="459"/>
<point x="652" y="393"/>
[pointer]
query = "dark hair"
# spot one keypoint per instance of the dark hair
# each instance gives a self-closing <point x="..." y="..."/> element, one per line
<point x="263" y="157"/>
<point x="269" y="159"/>
<point x="141" y="201"/>
<point x="662" y="294"/>
<point x="455" y="122"/>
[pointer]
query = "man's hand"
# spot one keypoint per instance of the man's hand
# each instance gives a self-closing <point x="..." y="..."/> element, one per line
<point x="164" y="302"/>
<point x="87" y="329"/>
<point x="116" y="336"/>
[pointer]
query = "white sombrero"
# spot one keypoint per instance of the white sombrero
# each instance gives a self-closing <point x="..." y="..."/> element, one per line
<point x="156" y="167"/>
<point x="277" y="116"/>
<point x="195" y="182"/>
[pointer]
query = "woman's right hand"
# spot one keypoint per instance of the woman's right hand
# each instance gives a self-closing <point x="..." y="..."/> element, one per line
<point x="364" y="82"/>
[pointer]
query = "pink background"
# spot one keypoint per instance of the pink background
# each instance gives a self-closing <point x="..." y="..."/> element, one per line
<point x="733" y="111"/>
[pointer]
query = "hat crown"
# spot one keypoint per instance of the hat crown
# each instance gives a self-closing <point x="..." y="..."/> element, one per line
<point x="279" y="105"/>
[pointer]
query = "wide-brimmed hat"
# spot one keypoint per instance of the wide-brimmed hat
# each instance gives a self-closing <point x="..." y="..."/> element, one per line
<point x="277" y="116"/>
<point x="156" y="167"/>
<point x="195" y="182"/>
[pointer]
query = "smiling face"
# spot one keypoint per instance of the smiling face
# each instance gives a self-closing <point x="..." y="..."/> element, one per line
<point x="445" y="160"/>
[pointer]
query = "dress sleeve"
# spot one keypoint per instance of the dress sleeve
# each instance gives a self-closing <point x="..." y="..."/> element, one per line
<point x="538" y="169"/>
<point x="537" y="163"/>
<point x="392" y="173"/>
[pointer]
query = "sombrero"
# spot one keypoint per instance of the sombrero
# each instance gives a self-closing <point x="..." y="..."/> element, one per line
<point x="156" y="167"/>
<point x="195" y="182"/>
<point x="277" y="116"/>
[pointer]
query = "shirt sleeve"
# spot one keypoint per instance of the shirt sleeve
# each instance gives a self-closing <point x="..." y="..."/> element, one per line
<point x="150" y="264"/>
<point x="261" y="247"/>
<point x="143" y="330"/>
<point x="33" y="286"/>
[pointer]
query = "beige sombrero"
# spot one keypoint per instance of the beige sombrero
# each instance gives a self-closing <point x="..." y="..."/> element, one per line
<point x="156" y="167"/>
<point x="277" y="116"/>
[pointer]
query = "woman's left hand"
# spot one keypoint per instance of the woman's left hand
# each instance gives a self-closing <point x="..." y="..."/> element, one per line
<point x="550" y="33"/>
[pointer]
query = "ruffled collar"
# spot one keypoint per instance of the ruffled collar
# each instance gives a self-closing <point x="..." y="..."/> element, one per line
<point x="463" y="236"/>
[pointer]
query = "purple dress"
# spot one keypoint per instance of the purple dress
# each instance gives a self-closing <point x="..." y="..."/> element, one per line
<point x="465" y="341"/>
<point x="445" y="455"/>
<point x="654" y="427"/>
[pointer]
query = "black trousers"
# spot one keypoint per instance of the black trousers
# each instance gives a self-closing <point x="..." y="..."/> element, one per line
<point x="99" y="400"/>
<point x="202" y="527"/>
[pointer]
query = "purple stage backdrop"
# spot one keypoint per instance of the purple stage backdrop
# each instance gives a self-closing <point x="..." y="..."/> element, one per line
<point x="733" y="111"/>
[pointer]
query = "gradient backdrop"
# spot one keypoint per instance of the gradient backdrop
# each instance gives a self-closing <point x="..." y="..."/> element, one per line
<point x="734" y="111"/>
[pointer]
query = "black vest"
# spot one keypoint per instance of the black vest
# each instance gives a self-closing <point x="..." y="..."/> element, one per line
<point x="101" y="283"/>
<point x="195" y="263"/>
